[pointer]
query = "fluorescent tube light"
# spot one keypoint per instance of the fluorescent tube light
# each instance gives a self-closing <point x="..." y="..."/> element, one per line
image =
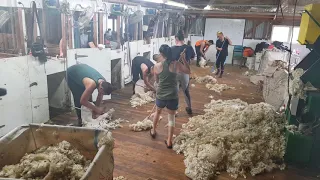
<point x="207" y="7"/>
<point x="154" y="1"/>
<point x="172" y="3"/>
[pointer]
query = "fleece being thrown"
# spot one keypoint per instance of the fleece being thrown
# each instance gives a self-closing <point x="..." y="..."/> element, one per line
<point x="232" y="136"/>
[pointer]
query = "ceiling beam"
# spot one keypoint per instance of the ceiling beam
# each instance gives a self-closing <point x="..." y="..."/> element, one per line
<point x="249" y="16"/>
<point x="231" y="5"/>
<point x="204" y="12"/>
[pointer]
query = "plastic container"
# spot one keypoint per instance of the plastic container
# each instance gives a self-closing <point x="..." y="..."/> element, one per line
<point x="298" y="148"/>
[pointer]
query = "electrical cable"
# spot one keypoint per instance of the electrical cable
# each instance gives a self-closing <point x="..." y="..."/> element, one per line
<point x="289" y="63"/>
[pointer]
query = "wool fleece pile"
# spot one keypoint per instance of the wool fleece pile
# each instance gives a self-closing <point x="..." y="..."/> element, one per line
<point x="144" y="125"/>
<point x="140" y="99"/>
<point x="232" y="136"/>
<point x="63" y="161"/>
<point x="206" y="79"/>
<point x="218" y="88"/>
<point x="104" y="121"/>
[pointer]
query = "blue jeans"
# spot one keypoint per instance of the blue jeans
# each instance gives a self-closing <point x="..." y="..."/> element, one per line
<point x="183" y="81"/>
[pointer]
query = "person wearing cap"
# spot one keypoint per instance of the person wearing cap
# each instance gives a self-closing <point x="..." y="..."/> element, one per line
<point x="201" y="48"/>
<point x="222" y="44"/>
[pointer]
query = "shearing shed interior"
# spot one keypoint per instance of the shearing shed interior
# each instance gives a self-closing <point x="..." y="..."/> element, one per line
<point x="160" y="89"/>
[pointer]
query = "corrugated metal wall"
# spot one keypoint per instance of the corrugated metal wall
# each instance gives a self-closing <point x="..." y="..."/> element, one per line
<point x="256" y="29"/>
<point x="197" y="26"/>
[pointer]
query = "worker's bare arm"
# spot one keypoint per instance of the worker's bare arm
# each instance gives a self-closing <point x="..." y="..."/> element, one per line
<point x="90" y="86"/>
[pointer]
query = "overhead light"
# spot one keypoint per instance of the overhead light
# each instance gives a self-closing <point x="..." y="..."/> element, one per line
<point x="207" y="7"/>
<point x="172" y="3"/>
<point x="154" y="1"/>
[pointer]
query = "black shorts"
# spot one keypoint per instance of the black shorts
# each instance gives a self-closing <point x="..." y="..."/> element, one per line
<point x="172" y="104"/>
<point x="136" y="74"/>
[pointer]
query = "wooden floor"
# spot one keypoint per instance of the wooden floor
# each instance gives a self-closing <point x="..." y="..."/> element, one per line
<point x="137" y="156"/>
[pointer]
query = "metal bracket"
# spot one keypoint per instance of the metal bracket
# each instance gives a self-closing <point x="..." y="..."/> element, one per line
<point x="313" y="19"/>
<point x="76" y="56"/>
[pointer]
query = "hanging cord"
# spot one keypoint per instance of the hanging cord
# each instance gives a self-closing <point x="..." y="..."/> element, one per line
<point x="289" y="63"/>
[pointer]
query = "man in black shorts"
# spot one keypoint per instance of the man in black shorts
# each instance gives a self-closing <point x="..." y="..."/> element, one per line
<point x="142" y="68"/>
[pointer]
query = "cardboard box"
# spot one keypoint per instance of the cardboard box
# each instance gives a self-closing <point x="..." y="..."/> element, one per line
<point x="26" y="139"/>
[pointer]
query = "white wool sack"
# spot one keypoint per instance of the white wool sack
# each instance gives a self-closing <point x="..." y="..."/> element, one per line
<point x="139" y="88"/>
<point x="203" y="62"/>
<point x="104" y="121"/>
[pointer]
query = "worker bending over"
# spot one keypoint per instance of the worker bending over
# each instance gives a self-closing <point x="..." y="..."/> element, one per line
<point x="201" y="48"/>
<point x="142" y="68"/>
<point x="222" y="52"/>
<point x="167" y="92"/>
<point x="82" y="81"/>
<point x="183" y="78"/>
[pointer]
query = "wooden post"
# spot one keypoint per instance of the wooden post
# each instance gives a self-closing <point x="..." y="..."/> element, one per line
<point x="141" y="30"/>
<point x="95" y="41"/>
<point x="118" y="30"/>
<point x="19" y="32"/>
<point x="63" y="27"/>
<point x="13" y="29"/>
<point x="43" y="25"/>
<point x="35" y="28"/>
<point x="64" y="34"/>
<point x="186" y="30"/>
<point x="136" y="29"/>
<point x="113" y="24"/>
<point x="24" y="31"/>
<point x="70" y="35"/>
<point x="100" y="28"/>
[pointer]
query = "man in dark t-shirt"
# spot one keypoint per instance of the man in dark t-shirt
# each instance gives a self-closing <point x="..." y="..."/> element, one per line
<point x="222" y="52"/>
<point x="183" y="80"/>
<point x="142" y="68"/>
<point x="176" y="51"/>
<point x="82" y="81"/>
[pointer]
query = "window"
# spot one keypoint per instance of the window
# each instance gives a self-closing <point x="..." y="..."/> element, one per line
<point x="257" y="29"/>
<point x="283" y="34"/>
<point x="11" y="35"/>
<point x="111" y="35"/>
<point x="296" y="31"/>
<point x="280" y="33"/>
<point x="110" y="24"/>
<point x="52" y="26"/>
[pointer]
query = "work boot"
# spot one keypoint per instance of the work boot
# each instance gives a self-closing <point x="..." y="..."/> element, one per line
<point x="218" y="71"/>
<point x="220" y="76"/>
<point x="198" y="63"/>
<point x="189" y="110"/>
<point x="80" y="124"/>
